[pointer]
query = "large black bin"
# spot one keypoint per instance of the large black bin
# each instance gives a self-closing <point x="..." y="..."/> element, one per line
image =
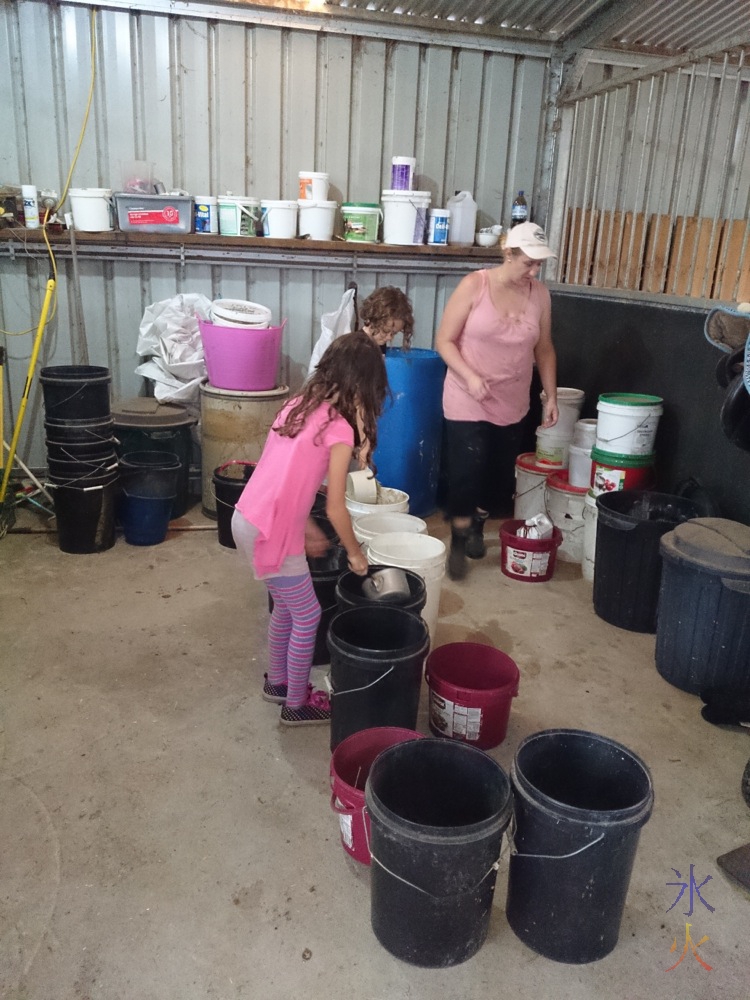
<point x="627" y="570"/>
<point x="703" y="631"/>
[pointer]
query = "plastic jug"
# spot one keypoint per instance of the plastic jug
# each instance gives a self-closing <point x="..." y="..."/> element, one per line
<point x="463" y="222"/>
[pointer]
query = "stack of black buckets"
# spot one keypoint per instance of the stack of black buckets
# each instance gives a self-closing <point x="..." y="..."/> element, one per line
<point x="81" y="459"/>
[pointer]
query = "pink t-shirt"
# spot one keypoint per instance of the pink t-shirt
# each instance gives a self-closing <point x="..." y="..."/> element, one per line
<point x="500" y="349"/>
<point x="280" y="493"/>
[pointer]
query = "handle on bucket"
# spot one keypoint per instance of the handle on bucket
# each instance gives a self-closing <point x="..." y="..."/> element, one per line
<point x="356" y="690"/>
<point x="549" y="857"/>
<point x="341" y="810"/>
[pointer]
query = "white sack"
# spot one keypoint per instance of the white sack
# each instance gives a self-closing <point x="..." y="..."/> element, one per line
<point x="333" y="325"/>
<point x="170" y="341"/>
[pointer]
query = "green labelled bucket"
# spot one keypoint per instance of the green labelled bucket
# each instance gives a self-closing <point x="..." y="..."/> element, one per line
<point x="361" y="221"/>
<point x="579" y="802"/>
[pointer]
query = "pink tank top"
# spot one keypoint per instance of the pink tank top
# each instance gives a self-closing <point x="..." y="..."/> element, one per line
<point x="502" y="350"/>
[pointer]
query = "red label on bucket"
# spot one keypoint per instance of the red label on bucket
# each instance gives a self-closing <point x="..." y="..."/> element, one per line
<point x="169" y="215"/>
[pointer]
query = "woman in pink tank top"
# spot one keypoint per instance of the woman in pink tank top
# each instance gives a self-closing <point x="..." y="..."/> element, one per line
<point x="496" y="325"/>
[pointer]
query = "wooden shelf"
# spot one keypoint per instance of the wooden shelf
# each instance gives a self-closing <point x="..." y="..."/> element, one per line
<point x="250" y="251"/>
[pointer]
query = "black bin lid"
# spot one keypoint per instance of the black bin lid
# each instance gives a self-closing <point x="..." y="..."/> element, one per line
<point x="712" y="545"/>
<point x="145" y="411"/>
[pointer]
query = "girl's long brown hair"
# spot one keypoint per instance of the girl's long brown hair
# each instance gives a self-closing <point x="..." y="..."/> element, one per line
<point x="351" y="377"/>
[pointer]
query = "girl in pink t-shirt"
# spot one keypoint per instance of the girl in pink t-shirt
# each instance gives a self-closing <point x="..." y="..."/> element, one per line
<point x="311" y="439"/>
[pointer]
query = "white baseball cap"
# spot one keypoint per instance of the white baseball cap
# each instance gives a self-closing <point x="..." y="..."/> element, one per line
<point x="531" y="239"/>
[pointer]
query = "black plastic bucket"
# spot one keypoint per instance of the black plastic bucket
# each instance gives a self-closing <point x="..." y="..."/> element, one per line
<point x="325" y="571"/>
<point x="145" y="424"/>
<point x="75" y="392"/>
<point x="80" y="431"/>
<point x="627" y="567"/>
<point x="377" y="655"/>
<point x="150" y="474"/>
<point x="85" y="513"/>
<point x="229" y="481"/>
<point x="580" y="801"/>
<point x="349" y="592"/>
<point x="96" y="451"/>
<point x="84" y="472"/>
<point x="438" y="811"/>
<point x="144" y="520"/>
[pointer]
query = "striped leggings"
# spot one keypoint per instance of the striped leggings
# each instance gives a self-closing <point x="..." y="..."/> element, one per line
<point x="291" y="634"/>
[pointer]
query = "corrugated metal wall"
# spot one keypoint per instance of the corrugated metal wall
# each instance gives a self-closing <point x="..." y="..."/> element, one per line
<point x="658" y="181"/>
<point x="235" y="106"/>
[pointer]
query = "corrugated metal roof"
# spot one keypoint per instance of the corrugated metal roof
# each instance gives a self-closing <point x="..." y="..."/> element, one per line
<point x="666" y="28"/>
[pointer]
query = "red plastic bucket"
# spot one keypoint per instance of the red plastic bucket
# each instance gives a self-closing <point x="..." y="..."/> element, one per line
<point x="471" y="688"/>
<point x="244" y="360"/>
<point x="350" y="765"/>
<point x="529" y="559"/>
<point x="610" y="472"/>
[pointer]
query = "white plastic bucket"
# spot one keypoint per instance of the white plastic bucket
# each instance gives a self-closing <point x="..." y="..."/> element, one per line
<point x="438" y="224"/>
<point x="530" y="481"/>
<point x="402" y="173"/>
<point x="584" y="433"/>
<point x="569" y="403"/>
<point x="552" y="446"/>
<point x="368" y="526"/>
<point x="206" y="214"/>
<point x="279" y="219"/>
<point x="389" y="500"/>
<point x="589" y="536"/>
<point x="405" y="217"/>
<point x="317" y="218"/>
<point x="92" y="209"/>
<point x="238" y="216"/>
<point x="361" y="222"/>
<point x="421" y="553"/>
<point x="565" y="509"/>
<point x="313" y="185"/>
<point x="627" y="423"/>
<point x="579" y="465"/>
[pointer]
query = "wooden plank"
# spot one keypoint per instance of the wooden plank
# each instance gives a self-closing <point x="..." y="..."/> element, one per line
<point x="693" y="257"/>
<point x="580" y="244"/>
<point x="608" y="249"/>
<point x="733" y="272"/>
<point x="631" y="256"/>
<point x="658" y="239"/>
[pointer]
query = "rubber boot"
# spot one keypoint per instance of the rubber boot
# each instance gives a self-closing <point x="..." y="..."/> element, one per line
<point x="457" y="556"/>
<point x="475" y="547"/>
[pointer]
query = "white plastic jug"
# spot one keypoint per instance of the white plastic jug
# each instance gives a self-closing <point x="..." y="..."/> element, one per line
<point x="463" y="222"/>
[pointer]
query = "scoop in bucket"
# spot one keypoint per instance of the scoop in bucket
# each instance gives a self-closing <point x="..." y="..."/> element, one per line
<point x="387" y="584"/>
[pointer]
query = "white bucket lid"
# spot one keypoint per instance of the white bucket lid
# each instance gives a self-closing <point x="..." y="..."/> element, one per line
<point x="226" y="199"/>
<point x="90" y="192"/>
<point x="408" y="549"/>
<point x="268" y="203"/>
<point x="392" y="194"/>
<point x="440" y="213"/>
<point x="205" y="199"/>
<point x="240" y="311"/>
<point x="313" y="173"/>
<point x="399" y="160"/>
<point x="310" y="203"/>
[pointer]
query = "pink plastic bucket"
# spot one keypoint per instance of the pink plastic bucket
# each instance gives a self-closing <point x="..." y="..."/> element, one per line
<point x="242" y="360"/>
<point x="350" y="766"/>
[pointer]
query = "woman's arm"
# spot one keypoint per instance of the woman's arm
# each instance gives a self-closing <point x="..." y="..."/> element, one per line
<point x="546" y="362"/>
<point x="338" y="515"/>
<point x="452" y="323"/>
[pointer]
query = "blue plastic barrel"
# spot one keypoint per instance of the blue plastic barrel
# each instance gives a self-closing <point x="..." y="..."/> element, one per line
<point x="410" y="427"/>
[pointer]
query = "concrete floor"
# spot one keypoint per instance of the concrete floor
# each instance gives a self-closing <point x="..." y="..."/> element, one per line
<point x="163" y="838"/>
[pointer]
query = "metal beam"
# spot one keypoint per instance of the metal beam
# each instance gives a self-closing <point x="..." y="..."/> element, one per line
<point x="370" y="24"/>
<point x="691" y="57"/>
